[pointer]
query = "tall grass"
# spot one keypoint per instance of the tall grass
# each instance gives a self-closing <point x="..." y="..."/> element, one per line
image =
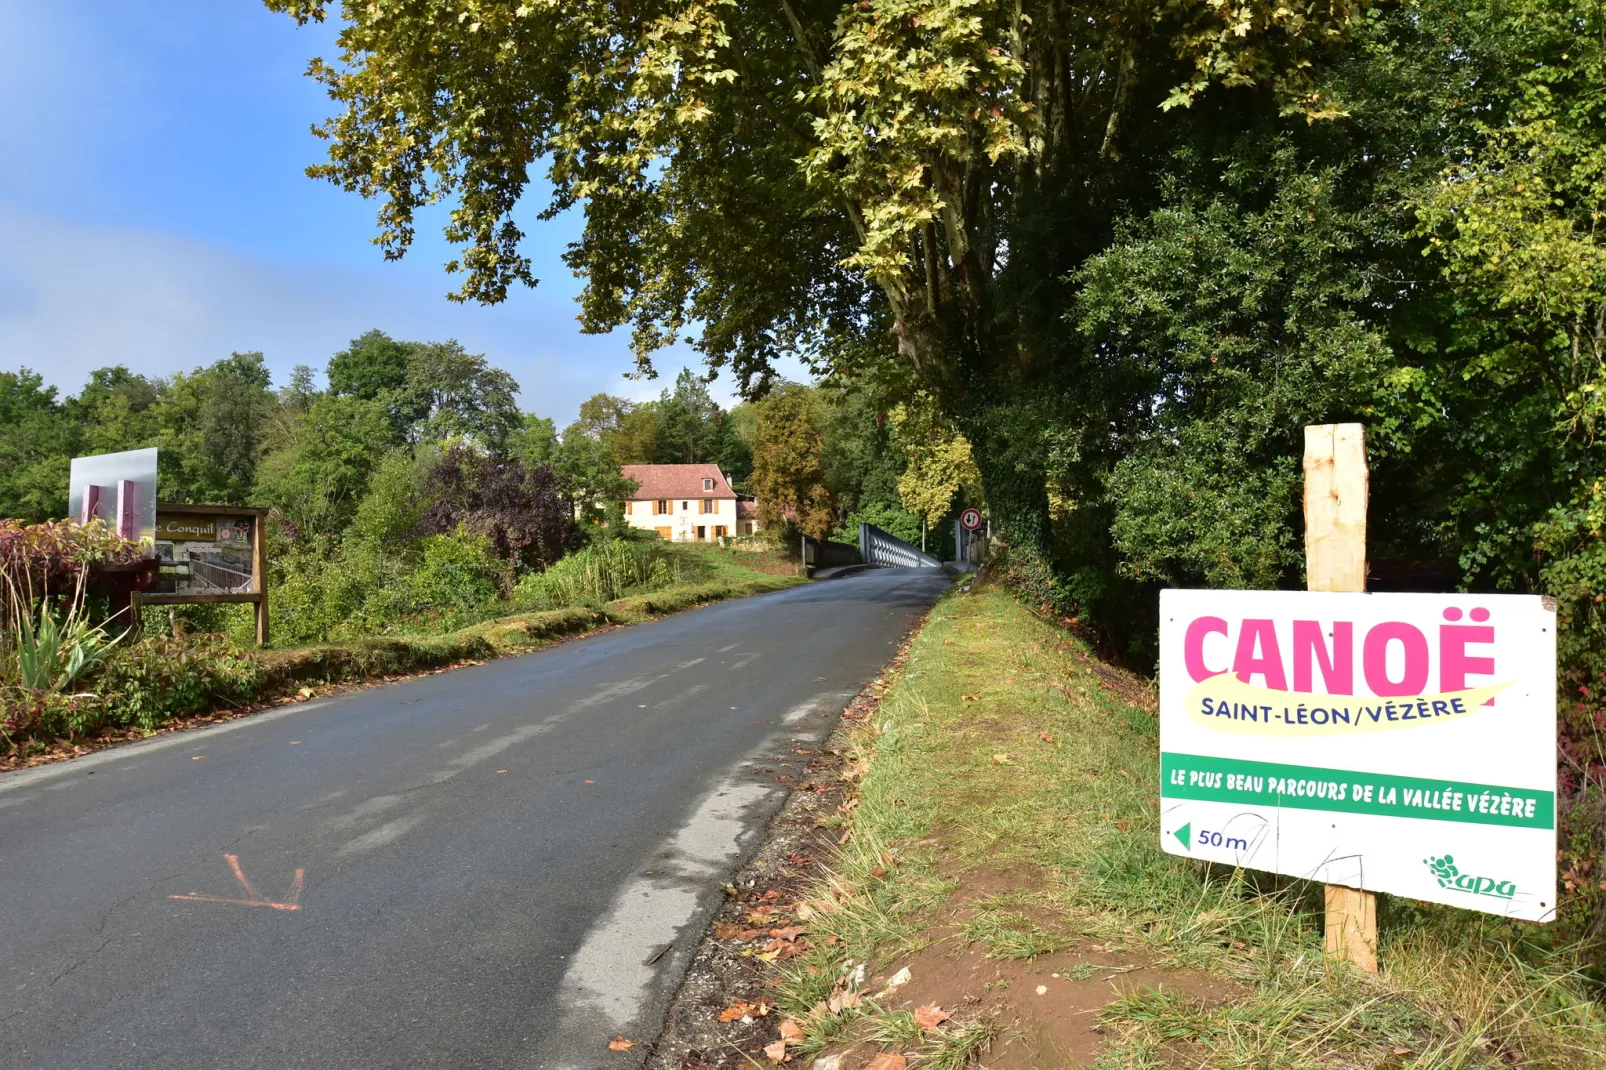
<point x="602" y="572"/>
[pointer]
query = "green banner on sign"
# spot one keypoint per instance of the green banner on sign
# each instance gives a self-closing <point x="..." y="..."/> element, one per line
<point x="1232" y="780"/>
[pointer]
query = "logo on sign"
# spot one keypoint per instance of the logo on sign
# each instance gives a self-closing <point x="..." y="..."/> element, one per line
<point x="1449" y="875"/>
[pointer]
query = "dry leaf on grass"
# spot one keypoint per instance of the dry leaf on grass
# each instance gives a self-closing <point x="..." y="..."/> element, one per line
<point x="620" y="1044"/>
<point x="930" y="1016"/>
<point x="777" y="1052"/>
<point x="887" y="1060"/>
<point x="790" y="1030"/>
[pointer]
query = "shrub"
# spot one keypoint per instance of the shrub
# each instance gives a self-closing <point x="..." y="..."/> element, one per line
<point x="602" y="572"/>
<point x="58" y="555"/>
<point x="458" y="573"/>
<point x="145" y="683"/>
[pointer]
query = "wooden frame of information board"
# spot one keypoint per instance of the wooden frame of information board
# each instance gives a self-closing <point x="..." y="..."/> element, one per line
<point x="258" y="594"/>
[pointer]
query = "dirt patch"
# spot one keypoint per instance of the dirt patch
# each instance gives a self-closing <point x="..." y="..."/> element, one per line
<point x="1045" y="1011"/>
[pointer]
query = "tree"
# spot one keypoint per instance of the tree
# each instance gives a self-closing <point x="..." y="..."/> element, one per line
<point x="939" y="471"/>
<point x="535" y="442"/>
<point x="372" y="365"/>
<point x="457" y="394"/>
<point x="925" y="172"/>
<point x="319" y="474"/>
<point x="36" y="448"/>
<point x="595" y="485"/>
<point x="787" y="474"/>
<point x="208" y="429"/>
<point x="520" y="510"/>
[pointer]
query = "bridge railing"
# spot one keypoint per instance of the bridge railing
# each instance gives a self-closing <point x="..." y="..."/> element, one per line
<point x="882" y="550"/>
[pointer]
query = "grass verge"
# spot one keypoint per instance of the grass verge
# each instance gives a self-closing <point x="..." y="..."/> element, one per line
<point x="1003" y="849"/>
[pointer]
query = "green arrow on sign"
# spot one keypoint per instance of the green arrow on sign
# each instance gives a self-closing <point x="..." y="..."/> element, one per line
<point x="1185" y="834"/>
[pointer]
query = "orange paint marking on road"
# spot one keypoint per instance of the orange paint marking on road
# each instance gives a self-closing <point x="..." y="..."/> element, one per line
<point x="254" y="898"/>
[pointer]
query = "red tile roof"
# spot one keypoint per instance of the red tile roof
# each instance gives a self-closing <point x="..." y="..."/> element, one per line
<point x="676" y="481"/>
<point x="746" y="510"/>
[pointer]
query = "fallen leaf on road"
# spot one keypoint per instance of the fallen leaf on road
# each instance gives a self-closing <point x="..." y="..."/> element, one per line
<point x="591" y="782"/>
<point x="499" y="772"/>
<point x="930" y="1016"/>
<point x="790" y="1030"/>
<point x="197" y="758"/>
<point x="293" y="742"/>
<point x="887" y="1060"/>
<point x="777" y="1052"/>
<point x="620" y="1044"/>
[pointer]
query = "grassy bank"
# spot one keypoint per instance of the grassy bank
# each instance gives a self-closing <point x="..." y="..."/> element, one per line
<point x="145" y="685"/>
<point x="1004" y="850"/>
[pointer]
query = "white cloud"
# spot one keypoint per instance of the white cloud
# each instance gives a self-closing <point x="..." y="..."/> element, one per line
<point x="76" y="296"/>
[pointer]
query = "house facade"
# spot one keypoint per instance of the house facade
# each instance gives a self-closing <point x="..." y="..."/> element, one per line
<point x="682" y="502"/>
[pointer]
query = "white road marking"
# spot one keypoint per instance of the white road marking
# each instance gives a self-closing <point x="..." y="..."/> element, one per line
<point x="608" y="981"/>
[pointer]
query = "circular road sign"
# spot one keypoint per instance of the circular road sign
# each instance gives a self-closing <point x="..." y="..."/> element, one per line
<point x="970" y="519"/>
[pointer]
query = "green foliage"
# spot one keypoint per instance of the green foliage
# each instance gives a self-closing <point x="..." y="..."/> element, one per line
<point x="457" y="573"/>
<point x="36" y="443"/>
<point x="788" y="471"/>
<point x="319" y="473"/>
<point x="395" y="503"/>
<point x="46" y="648"/>
<point x="606" y="570"/>
<point x="889" y="518"/>
<point x="145" y="683"/>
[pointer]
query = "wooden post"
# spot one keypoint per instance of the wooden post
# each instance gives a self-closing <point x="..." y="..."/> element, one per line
<point x="1335" y="560"/>
<point x="259" y="572"/>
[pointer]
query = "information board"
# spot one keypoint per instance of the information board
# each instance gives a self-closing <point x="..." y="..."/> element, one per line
<point x="1401" y="743"/>
<point x="204" y="554"/>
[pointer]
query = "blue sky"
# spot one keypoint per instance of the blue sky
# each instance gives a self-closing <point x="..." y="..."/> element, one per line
<point x="154" y="213"/>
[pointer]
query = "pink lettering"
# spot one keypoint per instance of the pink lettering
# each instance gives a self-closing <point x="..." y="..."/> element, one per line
<point x="1193" y="646"/>
<point x="1454" y="661"/>
<point x="1338" y="667"/>
<point x="1268" y="662"/>
<point x="1374" y="659"/>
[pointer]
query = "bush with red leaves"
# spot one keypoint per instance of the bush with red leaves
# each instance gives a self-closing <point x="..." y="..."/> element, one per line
<point x="521" y="510"/>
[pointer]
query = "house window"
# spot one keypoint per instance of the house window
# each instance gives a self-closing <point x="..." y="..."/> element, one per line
<point x="702" y="534"/>
<point x="720" y="531"/>
<point x="684" y="506"/>
<point x="630" y="508"/>
<point x="666" y="534"/>
<point x="708" y="484"/>
<point x="709" y="506"/>
<point x="661" y="506"/>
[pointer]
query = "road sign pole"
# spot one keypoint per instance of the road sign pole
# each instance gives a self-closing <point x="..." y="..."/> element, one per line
<point x="1335" y="560"/>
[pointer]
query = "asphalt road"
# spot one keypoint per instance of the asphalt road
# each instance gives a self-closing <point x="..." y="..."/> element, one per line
<point x="467" y="870"/>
